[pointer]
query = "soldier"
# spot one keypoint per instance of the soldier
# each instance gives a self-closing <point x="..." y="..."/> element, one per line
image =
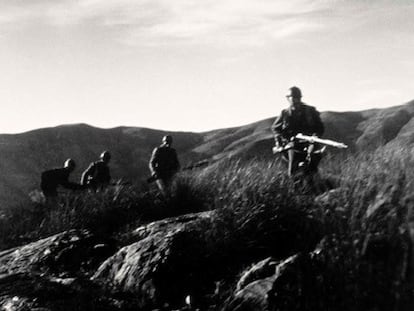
<point x="97" y="175"/>
<point x="298" y="118"/>
<point x="51" y="179"/>
<point x="164" y="164"/>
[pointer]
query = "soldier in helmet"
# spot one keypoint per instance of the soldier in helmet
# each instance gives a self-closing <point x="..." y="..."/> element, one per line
<point x="97" y="175"/>
<point x="297" y="118"/>
<point x="51" y="179"/>
<point x="164" y="164"/>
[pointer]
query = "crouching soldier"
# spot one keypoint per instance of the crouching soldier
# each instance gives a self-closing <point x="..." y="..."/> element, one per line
<point x="164" y="164"/>
<point x="51" y="179"/>
<point x="97" y="175"/>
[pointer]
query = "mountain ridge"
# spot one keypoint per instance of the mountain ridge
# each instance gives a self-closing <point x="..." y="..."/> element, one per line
<point x="25" y="155"/>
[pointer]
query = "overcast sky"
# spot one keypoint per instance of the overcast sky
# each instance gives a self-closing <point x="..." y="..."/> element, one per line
<point x="198" y="65"/>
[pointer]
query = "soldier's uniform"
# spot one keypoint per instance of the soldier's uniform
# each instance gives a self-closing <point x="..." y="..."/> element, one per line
<point x="164" y="165"/>
<point x="51" y="179"/>
<point x="96" y="175"/>
<point x="298" y="118"/>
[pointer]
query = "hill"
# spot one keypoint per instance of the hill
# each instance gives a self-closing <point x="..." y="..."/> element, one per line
<point x="235" y="237"/>
<point x="24" y="156"/>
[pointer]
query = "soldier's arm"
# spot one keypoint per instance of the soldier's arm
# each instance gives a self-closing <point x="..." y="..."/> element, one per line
<point x="85" y="175"/>
<point x="153" y="161"/>
<point x="71" y="185"/>
<point x="278" y="124"/>
<point x="177" y="163"/>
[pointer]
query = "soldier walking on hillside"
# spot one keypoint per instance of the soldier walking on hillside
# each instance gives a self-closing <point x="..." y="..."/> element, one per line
<point x="51" y="179"/>
<point x="298" y="118"/>
<point x="97" y="175"/>
<point x="164" y="164"/>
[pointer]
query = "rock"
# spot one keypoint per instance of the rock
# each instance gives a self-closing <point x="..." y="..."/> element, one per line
<point x="51" y="274"/>
<point x="254" y="297"/>
<point x="17" y="304"/>
<point x="64" y="252"/>
<point x="288" y="288"/>
<point x="165" y="225"/>
<point x="161" y="267"/>
<point x="183" y="256"/>
<point x="260" y="270"/>
<point x="23" y="292"/>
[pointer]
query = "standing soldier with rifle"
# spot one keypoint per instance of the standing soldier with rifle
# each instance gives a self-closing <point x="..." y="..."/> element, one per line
<point x="298" y="118"/>
<point x="164" y="165"/>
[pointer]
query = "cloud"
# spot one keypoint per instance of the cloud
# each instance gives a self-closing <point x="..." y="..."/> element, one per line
<point x="235" y="22"/>
<point x="165" y="21"/>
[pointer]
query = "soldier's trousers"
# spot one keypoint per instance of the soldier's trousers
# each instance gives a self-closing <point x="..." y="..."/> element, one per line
<point x="295" y="158"/>
<point x="164" y="184"/>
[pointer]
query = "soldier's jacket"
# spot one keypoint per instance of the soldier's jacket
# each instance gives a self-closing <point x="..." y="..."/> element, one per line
<point x="97" y="174"/>
<point x="301" y="119"/>
<point x="164" y="161"/>
<point x="53" y="178"/>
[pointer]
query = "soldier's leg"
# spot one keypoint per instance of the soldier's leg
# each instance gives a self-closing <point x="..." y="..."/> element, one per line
<point x="314" y="163"/>
<point x="293" y="162"/>
<point x="161" y="185"/>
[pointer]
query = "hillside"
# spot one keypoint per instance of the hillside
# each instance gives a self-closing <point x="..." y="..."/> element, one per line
<point x="24" y="156"/>
<point x="235" y="237"/>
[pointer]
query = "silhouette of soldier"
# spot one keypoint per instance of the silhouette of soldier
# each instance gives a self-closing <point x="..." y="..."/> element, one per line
<point x="97" y="175"/>
<point x="297" y="118"/>
<point x="51" y="179"/>
<point x="164" y="164"/>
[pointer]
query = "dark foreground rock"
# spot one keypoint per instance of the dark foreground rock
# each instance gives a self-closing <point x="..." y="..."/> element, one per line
<point x="174" y="260"/>
<point x="52" y="274"/>
<point x="292" y="284"/>
<point x="175" y="263"/>
<point x="68" y="253"/>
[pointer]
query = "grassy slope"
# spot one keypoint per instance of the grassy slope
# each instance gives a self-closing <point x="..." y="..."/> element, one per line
<point x="366" y="221"/>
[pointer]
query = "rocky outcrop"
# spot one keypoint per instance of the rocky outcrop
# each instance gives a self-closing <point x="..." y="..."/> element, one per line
<point x="51" y="274"/>
<point x="283" y="286"/>
<point x="67" y="252"/>
<point x="165" y="265"/>
<point x="177" y="258"/>
<point x="168" y="264"/>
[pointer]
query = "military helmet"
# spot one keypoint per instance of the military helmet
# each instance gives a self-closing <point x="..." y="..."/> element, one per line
<point x="295" y="92"/>
<point x="167" y="139"/>
<point x="105" y="156"/>
<point x="69" y="163"/>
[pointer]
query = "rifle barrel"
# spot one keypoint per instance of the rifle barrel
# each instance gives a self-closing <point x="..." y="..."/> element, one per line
<point x="315" y="139"/>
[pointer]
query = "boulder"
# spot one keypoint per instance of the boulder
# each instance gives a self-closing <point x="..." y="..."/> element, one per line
<point x="184" y="256"/>
<point x="292" y="285"/>
<point x="65" y="252"/>
<point x="260" y="270"/>
<point x="162" y="266"/>
<point x="52" y="273"/>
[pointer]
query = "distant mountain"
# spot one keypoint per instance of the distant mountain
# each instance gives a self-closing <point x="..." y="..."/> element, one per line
<point x="24" y="156"/>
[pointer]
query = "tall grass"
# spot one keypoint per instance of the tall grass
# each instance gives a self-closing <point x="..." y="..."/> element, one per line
<point x="366" y="220"/>
<point x="104" y="213"/>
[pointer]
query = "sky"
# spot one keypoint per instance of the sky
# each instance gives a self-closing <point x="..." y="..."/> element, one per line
<point x="192" y="65"/>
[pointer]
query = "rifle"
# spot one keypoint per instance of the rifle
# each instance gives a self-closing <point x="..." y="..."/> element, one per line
<point x="197" y="165"/>
<point x="311" y="140"/>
